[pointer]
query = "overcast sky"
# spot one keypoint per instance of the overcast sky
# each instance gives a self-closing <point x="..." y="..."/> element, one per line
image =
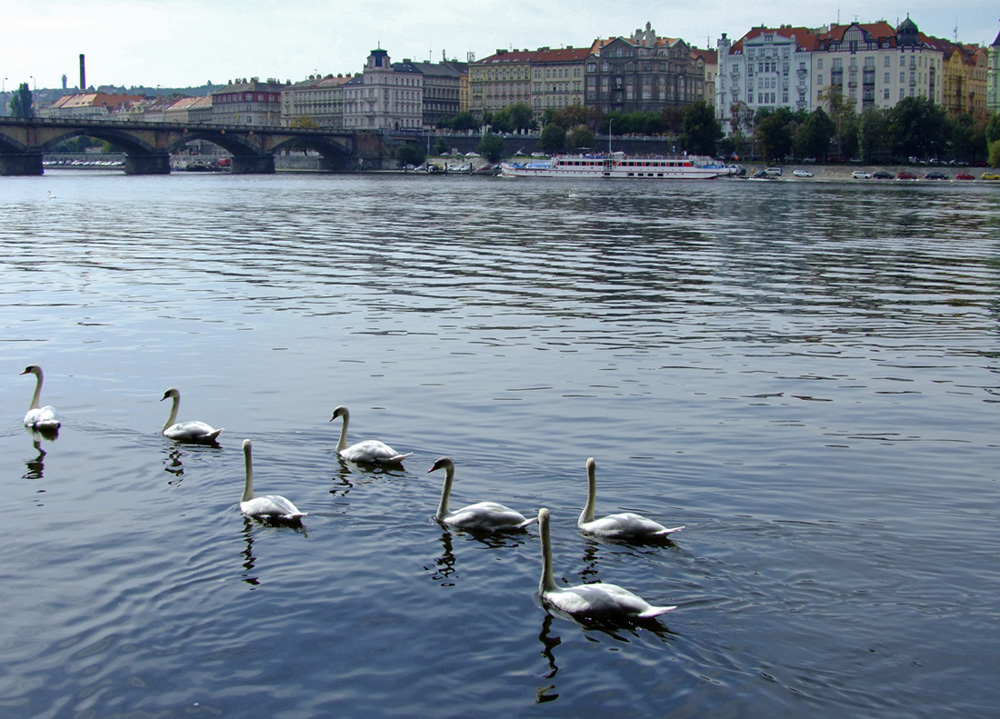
<point x="182" y="43"/>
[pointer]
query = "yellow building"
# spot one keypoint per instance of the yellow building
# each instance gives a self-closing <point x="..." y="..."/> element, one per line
<point x="964" y="87"/>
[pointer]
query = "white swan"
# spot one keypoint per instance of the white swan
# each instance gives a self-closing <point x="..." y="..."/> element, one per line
<point x="271" y="506"/>
<point x="370" y="451"/>
<point x="626" y="525"/>
<point x="482" y="516"/>
<point x="595" y="601"/>
<point x="197" y="432"/>
<point x="40" y="418"/>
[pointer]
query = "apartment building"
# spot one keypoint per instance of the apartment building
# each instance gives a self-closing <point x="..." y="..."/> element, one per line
<point x="318" y="100"/>
<point x="385" y="96"/>
<point x="869" y="65"/>
<point x="249" y="103"/>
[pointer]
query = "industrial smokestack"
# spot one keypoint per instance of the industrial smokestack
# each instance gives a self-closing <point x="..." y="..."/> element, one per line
<point x="83" y="73"/>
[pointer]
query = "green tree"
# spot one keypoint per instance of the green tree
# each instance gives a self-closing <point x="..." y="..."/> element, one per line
<point x="917" y="127"/>
<point x="993" y="128"/>
<point x="872" y="133"/>
<point x="700" y="131"/>
<point x="410" y="153"/>
<point x="993" y="158"/>
<point x="464" y="120"/>
<point x="968" y="137"/>
<point x="553" y="138"/>
<point x="491" y="147"/>
<point x="571" y="116"/>
<point x="440" y="146"/>
<point x="845" y="120"/>
<point x="773" y="134"/>
<point x="22" y="102"/>
<point x="521" y="117"/>
<point x="580" y="136"/>
<point x="815" y="135"/>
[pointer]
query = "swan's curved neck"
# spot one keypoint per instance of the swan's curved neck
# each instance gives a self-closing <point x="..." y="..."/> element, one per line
<point x="174" y="406"/>
<point x="248" y="484"/>
<point x="342" y="444"/>
<point x="547" y="583"/>
<point x="587" y="515"/>
<point x="38" y="390"/>
<point x="449" y="477"/>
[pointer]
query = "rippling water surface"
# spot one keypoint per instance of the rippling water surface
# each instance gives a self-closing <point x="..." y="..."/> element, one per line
<point x="806" y="376"/>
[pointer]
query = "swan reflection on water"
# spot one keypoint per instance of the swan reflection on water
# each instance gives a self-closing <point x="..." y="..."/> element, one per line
<point x="36" y="466"/>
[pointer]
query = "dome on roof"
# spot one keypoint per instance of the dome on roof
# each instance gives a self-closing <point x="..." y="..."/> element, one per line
<point x="907" y="33"/>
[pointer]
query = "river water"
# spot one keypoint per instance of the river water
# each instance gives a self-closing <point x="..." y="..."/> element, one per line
<point x="804" y="375"/>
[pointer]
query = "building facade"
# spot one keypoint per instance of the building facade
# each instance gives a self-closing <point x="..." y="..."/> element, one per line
<point x="993" y="77"/>
<point x="707" y="65"/>
<point x="500" y="80"/>
<point x="248" y="103"/>
<point x="92" y="106"/>
<point x="869" y="65"/>
<point x="557" y="78"/>
<point x="964" y="70"/>
<point x="442" y="90"/>
<point x="316" y="101"/>
<point x="385" y="96"/>
<point x="642" y="73"/>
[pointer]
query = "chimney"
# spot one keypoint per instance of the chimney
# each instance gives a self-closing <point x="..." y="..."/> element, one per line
<point x="83" y="74"/>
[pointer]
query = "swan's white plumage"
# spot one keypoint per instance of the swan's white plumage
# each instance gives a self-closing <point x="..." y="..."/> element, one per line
<point x="370" y="451"/>
<point x="598" y="601"/>
<point x="41" y="418"/>
<point x="481" y="516"/>
<point x="271" y="506"/>
<point x="624" y="525"/>
<point x="197" y="432"/>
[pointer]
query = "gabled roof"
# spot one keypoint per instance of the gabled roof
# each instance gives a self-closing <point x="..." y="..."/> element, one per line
<point x="541" y="55"/>
<point x="709" y="57"/>
<point x="805" y="38"/>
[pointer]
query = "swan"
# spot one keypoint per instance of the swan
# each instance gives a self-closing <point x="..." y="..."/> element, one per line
<point x="41" y="418"/>
<point x="186" y="431"/>
<point x="370" y="451"/>
<point x="626" y="525"/>
<point x="482" y="516"/>
<point x="598" y="601"/>
<point x="271" y="506"/>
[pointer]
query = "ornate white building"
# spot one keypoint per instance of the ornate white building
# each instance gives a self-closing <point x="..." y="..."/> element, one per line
<point x="385" y="96"/>
<point x="870" y="65"/>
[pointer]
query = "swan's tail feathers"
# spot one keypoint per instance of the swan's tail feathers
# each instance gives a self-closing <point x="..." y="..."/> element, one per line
<point x="294" y="516"/>
<point x="656" y="611"/>
<point x="215" y="435"/>
<point x="395" y="459"/>
<point x="665" y="532"/>
<point x="528" y="523"/>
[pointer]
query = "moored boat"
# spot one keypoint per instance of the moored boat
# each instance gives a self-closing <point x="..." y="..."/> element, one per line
<point x="615" y="165"/>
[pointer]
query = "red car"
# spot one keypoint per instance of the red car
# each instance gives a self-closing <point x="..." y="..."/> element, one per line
<point x="904" y="175"/>
<point x="964" y="176"/>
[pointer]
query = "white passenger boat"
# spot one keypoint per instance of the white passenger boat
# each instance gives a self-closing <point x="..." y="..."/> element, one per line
<point x="615" y="165"/>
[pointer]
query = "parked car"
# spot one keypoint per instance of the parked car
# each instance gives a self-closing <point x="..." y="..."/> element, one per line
<point x="936" y="176"/>
<point x="802" y="173"/>
<point x="773" y="171"/>
<point x="882" y="175"/>
<point x="737" y="170"/>
<point x="964" y="176"/>
<point x="861" y="175"/>
<point x="989" y="176"/>
<point x="905" y="175"/>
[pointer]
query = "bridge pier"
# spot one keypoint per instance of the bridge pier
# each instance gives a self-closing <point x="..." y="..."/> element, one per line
<point x="25" y="163"/>
<point x="252" y="165"/>
<point x="158" y="164"/>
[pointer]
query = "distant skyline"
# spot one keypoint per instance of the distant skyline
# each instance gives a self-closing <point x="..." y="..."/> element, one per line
<point x="187" y="43"/>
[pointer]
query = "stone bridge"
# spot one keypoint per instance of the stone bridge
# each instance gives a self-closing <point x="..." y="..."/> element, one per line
<point x="148" y="145"/>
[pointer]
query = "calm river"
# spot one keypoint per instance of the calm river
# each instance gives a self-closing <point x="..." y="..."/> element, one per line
<point x="807" y="376"/>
